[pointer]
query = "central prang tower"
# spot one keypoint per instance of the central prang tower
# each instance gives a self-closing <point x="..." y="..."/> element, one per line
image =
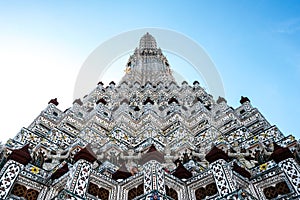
<point x="148" y="64"/>
<point x="150" y="138"/>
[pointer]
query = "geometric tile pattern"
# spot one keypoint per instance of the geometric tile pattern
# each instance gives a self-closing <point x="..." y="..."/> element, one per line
<point x="292" y="171"/>
<point x="80" y="173"/>
<point x="8" y="176"/>
<point x="153" y="178"/>
<point x="223" y="177"/>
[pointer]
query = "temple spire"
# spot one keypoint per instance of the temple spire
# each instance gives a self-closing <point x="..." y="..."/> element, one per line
<point x="147" y="64"/>
<point x="147" y="42"/>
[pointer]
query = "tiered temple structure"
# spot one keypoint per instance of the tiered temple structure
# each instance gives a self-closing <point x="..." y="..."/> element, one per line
<point x="149" y="137"/>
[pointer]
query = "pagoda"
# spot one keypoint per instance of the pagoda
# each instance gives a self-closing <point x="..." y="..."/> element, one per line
<point x="148" y="138"/>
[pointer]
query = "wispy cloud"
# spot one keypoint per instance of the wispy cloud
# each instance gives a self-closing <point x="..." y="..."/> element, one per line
<point x="290" y="26"/>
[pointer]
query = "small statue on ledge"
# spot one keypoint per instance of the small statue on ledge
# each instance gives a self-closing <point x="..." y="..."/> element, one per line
<point x="131" y="165"/>
<point x="169" y="164"/>
<point x="201" y="156"/>
<point x="56" y="159"/>
<point x="263" y="155"/>
<point x="236" y="152"/>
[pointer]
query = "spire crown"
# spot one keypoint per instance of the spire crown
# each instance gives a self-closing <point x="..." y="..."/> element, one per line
<point x="147" y="42"/>
<point x="147" y="64"/>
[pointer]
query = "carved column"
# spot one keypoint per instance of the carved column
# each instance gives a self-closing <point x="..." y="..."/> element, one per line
<point x="8" y="176"/>
<point x="154" y="180"/>
<point x="223" y="177"/>
<point x="221" y="171"/>
<point x="79" y="178"/>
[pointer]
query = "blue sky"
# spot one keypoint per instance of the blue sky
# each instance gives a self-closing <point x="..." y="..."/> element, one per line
<point x="255" y="46"/>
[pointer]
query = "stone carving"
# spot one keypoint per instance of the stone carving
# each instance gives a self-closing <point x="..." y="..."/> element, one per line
<point x="169" y="164"/>
<point x="56" y="158"/>
<point x="131" y="160"/>
<point x="201" y="155"/>
<point x="264" y="153"/>
<point x="237" y="153"/>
